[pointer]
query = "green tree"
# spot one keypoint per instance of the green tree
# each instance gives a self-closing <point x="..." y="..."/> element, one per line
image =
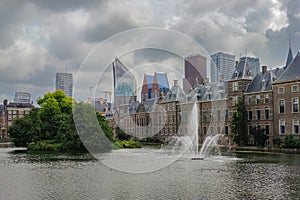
<point x="239" y="124"/>
<point x="26" y="130"/>
<point x="96" y="138"/>
<point x="55" y="109"/>
<point x="53" y="127"/>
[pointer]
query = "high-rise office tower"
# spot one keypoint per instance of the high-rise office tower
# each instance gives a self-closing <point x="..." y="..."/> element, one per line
<point x="64" y="82"/>
<point x="253" y="63"/>
<point x="222" y="66"/>
<point x="22" y="97"/>
<point x="194" y="69"/>
<point x="124" y="84"/>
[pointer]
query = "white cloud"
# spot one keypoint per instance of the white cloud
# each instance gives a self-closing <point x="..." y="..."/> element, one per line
<point x="278" y="19"/>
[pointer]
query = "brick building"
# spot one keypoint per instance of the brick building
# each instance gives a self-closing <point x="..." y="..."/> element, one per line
<point x="11" y="111"/>
<point x="286" y="100"/>
<point x="271" y="98"/>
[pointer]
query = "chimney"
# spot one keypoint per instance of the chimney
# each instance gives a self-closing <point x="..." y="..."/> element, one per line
<point x="264" y="69"/>
<point x="175" y="82"/>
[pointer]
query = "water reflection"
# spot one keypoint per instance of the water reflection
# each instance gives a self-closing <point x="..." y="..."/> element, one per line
<point x="240" y="176"/>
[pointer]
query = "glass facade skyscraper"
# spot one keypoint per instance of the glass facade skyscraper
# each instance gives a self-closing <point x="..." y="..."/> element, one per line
<point x="222" y="66"/>
<point x="124" y="84"/>
<point x="64" y="82"/>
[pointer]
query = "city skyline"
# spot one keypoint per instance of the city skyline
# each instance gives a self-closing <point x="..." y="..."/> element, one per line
<point x="41" y="38"/>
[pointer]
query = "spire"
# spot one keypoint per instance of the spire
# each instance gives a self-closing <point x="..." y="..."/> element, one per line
<point x="290" y="54"/>
<point x="196" y="82"/>
<point x="245" y="64"/>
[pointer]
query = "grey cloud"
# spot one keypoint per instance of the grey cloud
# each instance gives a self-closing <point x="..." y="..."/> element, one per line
<point x="39" y="38"/>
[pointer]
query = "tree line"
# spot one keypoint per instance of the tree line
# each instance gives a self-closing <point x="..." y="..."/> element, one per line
<point x="52" y="128"/>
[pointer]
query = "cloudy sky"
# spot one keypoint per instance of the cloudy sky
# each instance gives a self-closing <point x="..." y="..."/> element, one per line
<point x="39" y="38"/>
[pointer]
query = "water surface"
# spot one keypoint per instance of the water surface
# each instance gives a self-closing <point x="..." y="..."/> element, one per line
<point x="239" y="176"/>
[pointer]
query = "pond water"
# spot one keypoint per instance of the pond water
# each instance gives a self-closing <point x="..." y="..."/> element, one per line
<point x="238" y="176"/>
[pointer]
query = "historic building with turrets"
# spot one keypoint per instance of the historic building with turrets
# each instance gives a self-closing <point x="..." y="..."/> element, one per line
<point x="271" y="98"/>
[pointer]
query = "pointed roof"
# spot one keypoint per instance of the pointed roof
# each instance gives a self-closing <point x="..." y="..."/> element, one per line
<point x="149" y="79"/>
<point x="162" y="80"/>
<point x="290" y="55"/>
<point x="242" y="70"/>
<point x="292" y="72"/>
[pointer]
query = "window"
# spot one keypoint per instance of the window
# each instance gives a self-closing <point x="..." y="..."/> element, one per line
<point x="267" y="112"/>
<point x="249" y="115"/>
<point x="295" y="105"/>
<point x="235" y="100"/>
<point x="204" y="116"/>
<point x="281" y="127"/>
<point x="204" y="130"/>
<point x="211" y="116"/>
<point x="258" y="128"/>
<point x="258" y="114"/>
<point x="280" y="90"/>
<point x="250" y="131"/>
<point x="281" y="106"/>
<point x="235" y="86"/>
<point x="267" y="129"/>
<point x="266" y="98"/>
<point x="219" y="115"/>
<point x="219" y="130"/>
<point x="249" y="100"/>
<point x="257" y="99"/>
<point x="226" y="114"/>
<point x="295" y="126"/>
<point x="295" y="88"/>
<point x="226" y="130"/>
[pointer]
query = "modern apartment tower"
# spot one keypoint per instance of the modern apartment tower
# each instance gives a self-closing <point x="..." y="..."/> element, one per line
<point x="64" y="82"/>
<point x="222" y="66"/>
<point x="124" y="84"/>
<point x="194" y="69"/>
<point x="254" y="64"/>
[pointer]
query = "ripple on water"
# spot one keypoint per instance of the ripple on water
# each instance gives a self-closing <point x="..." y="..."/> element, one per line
<point x="247" y="176"/>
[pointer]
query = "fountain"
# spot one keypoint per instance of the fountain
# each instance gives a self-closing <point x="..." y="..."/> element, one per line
<point x="190" y="141"/>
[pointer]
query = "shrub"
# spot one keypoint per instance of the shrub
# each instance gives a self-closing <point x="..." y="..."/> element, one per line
<point x="131" y="144"/>
<point x="45" y="145"/>
<point x="277" y="141"/>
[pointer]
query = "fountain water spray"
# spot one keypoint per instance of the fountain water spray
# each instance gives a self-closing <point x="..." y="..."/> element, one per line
<point x="189" y="143"/>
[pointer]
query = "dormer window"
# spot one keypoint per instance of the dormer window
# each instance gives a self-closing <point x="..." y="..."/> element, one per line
<point x="236" y="74"/>
<point x="263" y="84"/>
<point x="249" y="73"/>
